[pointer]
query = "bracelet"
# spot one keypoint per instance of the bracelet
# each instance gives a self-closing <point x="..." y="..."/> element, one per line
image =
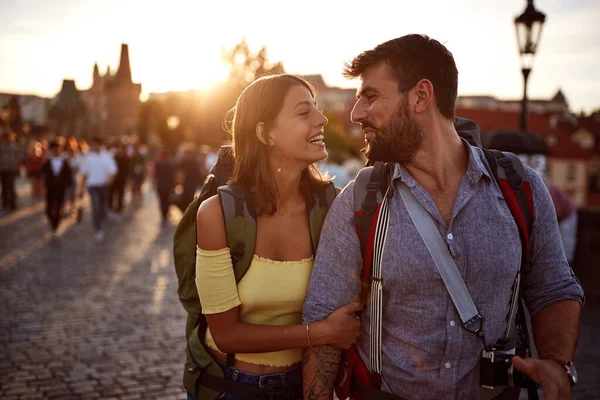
<point x="308" y="336"/>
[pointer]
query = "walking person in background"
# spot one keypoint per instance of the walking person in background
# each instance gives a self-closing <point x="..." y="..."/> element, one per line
<point x="117" y="188"/>
<point x="9" y="168"/>
<point x="164" y="172"/>
<point x="193" y="172"/>
<point x="137" y="175"/>
<point x="565" y="206"/>
<point x="98" y="171"/>
<point x="57" y="176"/>
<point x="36" y="158"/>
<point x="70" y="155"/>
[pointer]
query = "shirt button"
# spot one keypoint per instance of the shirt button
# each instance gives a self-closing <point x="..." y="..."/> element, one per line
<point x="447" y="365"/>
<point x="450" y="236"/>
<point x="452" y="323"/>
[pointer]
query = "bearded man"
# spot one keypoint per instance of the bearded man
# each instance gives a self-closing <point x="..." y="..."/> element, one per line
<point x="406" y="109"/>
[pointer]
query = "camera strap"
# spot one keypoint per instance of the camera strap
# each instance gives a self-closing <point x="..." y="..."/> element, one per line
<point x="443" y="261"/>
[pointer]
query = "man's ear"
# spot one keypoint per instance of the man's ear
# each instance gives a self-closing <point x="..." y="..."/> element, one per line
<point x="261" y="134"/>
<point x="423" y="95"/>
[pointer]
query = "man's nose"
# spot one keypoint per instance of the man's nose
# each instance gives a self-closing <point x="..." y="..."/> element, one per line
<point x="359" y="112"/>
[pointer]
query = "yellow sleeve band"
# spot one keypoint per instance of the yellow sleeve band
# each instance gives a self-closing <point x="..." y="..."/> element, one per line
<point x="215" y="281"/>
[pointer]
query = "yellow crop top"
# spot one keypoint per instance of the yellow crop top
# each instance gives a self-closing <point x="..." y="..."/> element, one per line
<point x="270" y="293"/>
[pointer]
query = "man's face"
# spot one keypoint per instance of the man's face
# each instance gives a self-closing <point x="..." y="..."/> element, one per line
<point x="391" y="132"/>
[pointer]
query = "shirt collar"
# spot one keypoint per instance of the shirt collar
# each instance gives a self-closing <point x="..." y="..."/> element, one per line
<point x="476" y="168"/>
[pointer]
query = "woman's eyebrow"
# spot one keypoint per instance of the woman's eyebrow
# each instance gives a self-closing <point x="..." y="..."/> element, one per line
<point x="306" y="102"/>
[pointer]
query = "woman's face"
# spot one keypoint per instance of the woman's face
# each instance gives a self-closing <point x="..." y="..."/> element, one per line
<point x="296" y="134"/>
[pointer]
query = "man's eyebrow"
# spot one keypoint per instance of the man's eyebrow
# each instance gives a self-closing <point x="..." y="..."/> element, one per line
<point x="306" y="102"/>
<point x="366" y="90"/>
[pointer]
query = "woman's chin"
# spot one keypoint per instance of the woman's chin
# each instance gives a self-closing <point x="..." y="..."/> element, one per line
<point x="322" y="156"/>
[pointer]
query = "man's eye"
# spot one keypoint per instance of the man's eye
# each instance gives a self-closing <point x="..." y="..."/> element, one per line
<point x="304" y="113"/>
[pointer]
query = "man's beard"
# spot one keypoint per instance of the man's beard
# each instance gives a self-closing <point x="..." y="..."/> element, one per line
<point x="398" y="141"/>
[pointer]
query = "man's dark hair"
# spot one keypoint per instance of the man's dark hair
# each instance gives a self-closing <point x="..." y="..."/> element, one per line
<point x="411" y="58"/>
<point x="54" y="145"/>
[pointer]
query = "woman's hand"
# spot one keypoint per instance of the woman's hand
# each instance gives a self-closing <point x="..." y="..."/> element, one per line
<point x="341" y="327"/>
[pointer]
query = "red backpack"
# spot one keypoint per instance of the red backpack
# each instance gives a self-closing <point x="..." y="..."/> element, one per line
<point x="370" y="186"/>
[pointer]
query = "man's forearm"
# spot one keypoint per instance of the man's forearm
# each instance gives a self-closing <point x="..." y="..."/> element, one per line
<point x="556" y="330"/>
<point x="320" y="367"/>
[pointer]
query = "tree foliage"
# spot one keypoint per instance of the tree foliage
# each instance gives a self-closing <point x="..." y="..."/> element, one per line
<point x="245" y="66"/>
<point x="339" y="145"/>
<point x="201" y="112"/>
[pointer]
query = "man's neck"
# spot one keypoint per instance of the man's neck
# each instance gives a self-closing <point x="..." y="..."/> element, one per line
<point x="441" y="161"/>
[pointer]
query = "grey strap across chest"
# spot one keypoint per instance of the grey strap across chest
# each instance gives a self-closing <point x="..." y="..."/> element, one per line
<point x="441" y="256"/>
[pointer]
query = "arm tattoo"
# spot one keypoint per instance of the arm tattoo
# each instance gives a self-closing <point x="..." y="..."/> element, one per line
<point x="320" y="369"/>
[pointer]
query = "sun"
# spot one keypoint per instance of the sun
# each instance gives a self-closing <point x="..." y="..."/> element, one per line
<point x="188" y="71"/>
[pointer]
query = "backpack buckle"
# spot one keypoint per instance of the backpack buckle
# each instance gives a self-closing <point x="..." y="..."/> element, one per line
<point x="370" y="202"/>
<point x="513" y="177"/>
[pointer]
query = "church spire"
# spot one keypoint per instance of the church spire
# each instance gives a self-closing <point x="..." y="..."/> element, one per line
<point x="124" y="71"/>
<point x="96" y="75"/>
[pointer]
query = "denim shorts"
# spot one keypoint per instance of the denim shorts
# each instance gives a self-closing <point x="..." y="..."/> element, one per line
<point x="287" y="384"/>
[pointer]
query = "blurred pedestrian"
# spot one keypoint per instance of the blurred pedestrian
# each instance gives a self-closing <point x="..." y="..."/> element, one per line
<point x="193" y="171"/>
<point x="564" y="205"/>
<point x="70" y="155"/>
<point x="164" y="172"/>
<point x="98" y="171"/>
<point x="57" y="176"/>
<point x="36" y="158"/>
<point x="117" y="188"/>
<point x="9" y="168"/>
<point x="137" y="175"/>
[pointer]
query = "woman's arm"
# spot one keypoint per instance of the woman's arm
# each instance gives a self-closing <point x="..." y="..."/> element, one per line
<point x="231" y="335"/>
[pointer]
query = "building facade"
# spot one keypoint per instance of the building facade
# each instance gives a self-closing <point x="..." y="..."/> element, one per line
<point x="113" y="100"/>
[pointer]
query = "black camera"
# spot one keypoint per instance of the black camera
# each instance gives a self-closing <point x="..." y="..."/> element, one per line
<point x="496" y="366"/>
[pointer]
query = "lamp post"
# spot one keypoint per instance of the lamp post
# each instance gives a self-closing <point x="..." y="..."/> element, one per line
<point x="529" y="30"/>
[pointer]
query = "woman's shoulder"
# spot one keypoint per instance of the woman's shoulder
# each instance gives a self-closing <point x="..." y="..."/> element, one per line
<point x="210" y="225"/>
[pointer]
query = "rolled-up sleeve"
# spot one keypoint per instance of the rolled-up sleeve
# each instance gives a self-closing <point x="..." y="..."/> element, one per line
<point x="215" y="281"/>
<point x="335" y="278"/>
<point x="547" y="278"/>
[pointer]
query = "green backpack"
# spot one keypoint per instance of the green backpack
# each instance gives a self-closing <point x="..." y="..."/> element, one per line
<point x="202" y="375"/>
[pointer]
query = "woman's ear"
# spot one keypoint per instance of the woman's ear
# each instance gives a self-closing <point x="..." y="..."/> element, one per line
<point x="262" y="135"/>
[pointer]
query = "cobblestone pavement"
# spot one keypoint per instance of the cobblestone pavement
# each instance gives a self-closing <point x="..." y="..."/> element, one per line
<point x="89" y="320"/>
<point x="82" y="319"/>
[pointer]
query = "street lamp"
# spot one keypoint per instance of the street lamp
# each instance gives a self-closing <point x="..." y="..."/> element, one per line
<point x="529" y="30"/>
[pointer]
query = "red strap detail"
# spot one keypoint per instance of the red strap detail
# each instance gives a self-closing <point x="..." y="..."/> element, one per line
<point x="515" y="209"/>
<point x="369" y="247"/>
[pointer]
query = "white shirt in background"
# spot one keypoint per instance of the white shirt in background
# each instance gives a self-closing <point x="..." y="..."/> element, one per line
<point x="56" y="164"/>
<point x="98" y="168"/>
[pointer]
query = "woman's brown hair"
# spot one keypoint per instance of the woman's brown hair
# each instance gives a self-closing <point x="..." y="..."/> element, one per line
<point x="262" y="101"/>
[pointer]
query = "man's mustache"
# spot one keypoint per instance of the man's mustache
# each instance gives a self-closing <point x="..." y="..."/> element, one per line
<point x="367" y="124"/>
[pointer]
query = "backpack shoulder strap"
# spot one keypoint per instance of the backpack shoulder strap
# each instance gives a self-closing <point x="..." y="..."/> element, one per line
<point x="512" y="178"/>
<point x="510" y="174"/>
<point x="240" y="227"/>
<point x="320" y="204"/>
<point x="370" y="186"/>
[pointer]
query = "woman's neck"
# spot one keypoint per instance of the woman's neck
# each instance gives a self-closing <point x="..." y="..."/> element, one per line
<point x="289" y="179"/>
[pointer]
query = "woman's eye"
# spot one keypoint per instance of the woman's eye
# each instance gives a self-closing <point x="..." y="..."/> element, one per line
<point x="304" y="113"/>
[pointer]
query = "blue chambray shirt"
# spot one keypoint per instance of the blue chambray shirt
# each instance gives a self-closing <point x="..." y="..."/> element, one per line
<point x="426" y="352"/>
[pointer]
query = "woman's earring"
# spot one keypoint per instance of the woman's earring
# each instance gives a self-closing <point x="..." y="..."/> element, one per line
<point x="278" y="169"/>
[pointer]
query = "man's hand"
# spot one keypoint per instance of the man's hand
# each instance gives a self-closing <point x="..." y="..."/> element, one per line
<point x="548" y="374"/>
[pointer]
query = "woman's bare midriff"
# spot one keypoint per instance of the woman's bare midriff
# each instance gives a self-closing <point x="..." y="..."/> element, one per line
<point x="249" y="367"/>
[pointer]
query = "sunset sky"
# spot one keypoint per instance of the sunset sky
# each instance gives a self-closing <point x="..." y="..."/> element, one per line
<point x="176" y="45"/>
